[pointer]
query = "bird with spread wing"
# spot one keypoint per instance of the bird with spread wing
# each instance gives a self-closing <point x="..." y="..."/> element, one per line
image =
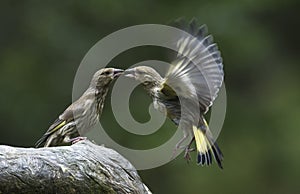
<point x="188" y="90"/>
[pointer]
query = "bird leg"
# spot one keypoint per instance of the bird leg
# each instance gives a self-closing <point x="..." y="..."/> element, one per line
<point x="178" y="145"/>
<point x="188" y="150"/>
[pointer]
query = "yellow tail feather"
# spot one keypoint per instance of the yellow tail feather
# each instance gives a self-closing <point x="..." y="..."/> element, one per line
<point x="202" y="143"/>
<point x="206" y="148"/>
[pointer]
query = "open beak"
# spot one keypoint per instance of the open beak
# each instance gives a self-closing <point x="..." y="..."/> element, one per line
<point x="130" y="73"/>
<point x="118" y="72"/>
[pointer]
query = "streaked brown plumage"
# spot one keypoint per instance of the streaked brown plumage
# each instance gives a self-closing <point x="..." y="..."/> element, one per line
<point x="83" y="114"/>
<point x="188" y="90"/>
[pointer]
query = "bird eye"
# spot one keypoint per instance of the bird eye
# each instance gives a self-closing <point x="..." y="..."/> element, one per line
<point x="105" y="73"/>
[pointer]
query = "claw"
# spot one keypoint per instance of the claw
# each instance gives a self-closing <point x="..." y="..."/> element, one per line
<point x="187" y="155"/>
<point x="188" y="149"/>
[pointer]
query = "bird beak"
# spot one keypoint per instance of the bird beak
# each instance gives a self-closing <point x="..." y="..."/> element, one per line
<point x="130" y="73"/>
<point x="118" y="72"/>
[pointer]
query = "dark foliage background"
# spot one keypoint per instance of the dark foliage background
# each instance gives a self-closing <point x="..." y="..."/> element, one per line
<point x="43" y="42"/>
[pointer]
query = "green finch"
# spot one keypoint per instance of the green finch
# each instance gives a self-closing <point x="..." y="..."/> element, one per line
<point x="83" y="114"/>
<point x="188" y="90"/>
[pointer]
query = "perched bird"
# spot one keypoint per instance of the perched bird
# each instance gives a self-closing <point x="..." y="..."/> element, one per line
<point x="83" y="114"/>
<point x="188" y="90"/>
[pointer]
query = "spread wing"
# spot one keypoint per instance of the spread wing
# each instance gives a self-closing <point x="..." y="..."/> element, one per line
<point x="197" y="72"/>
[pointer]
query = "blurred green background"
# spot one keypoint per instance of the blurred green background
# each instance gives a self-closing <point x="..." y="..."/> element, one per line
<point x="43" y="42"/>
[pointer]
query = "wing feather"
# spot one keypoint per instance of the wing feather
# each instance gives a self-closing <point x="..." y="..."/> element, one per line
<point x="197" y="72"/>
<point x="60" y="122"/>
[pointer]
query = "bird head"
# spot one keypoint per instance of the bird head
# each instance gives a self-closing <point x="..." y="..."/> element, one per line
<point x="105" y="76"/>
<point x="147" y="76"/>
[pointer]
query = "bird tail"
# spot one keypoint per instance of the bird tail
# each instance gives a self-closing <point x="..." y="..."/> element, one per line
<point x="41" y="141"/>
<point x="46" y="139"/>
<point x="206" y="148"/>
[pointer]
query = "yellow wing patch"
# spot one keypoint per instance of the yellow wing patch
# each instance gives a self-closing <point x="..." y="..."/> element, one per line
<point x="167" y="90"/>
<point x="58" y="126"/>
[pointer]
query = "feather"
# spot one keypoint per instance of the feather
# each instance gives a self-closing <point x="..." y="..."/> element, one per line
<point x="206" y="148"/>
<point x="198" y="65"/>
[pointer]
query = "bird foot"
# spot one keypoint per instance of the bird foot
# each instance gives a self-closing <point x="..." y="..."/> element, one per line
<point x="177" y="147"/>
<point x="187" y="155"/>
<point x="77" y="139"/>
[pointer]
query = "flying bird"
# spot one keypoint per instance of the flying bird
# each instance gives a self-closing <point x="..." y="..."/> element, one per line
<point x="81" y="115"/>
<point x="188" y="89"/>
